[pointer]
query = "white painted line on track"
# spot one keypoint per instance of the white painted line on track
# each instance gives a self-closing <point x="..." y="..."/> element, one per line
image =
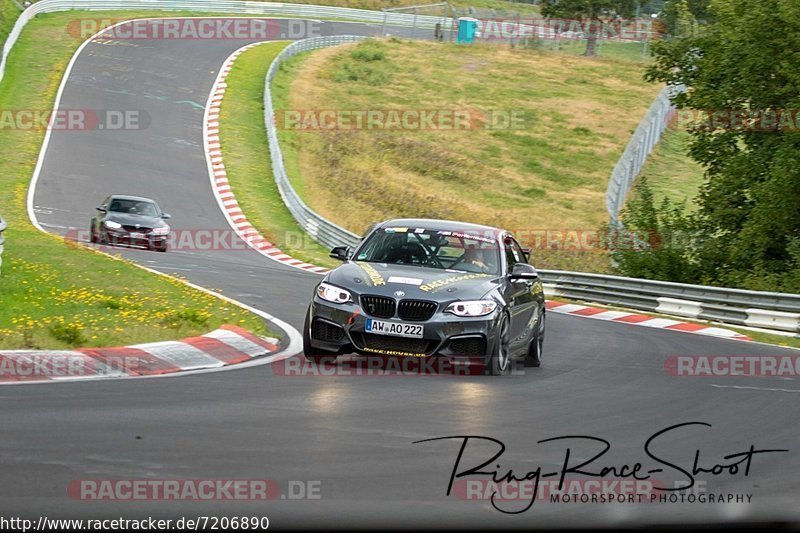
<point x="295" y="339"/>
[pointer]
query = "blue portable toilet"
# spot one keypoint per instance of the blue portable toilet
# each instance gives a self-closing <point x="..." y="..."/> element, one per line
<point x="467" y="30"/>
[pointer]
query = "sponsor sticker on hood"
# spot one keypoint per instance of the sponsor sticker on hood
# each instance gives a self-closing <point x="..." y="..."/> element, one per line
<point x="439" y="283"/>
<point x="374" y="276"/>
<point x="406" y="281"/>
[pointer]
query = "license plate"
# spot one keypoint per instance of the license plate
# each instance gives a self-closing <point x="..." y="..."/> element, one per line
<point x="397" y="329"/>
<point x="137" y="235"/>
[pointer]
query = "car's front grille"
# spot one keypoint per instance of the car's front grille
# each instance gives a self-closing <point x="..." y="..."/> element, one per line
<point x="134" y="229"/>
<point x="472" y="346"/>
<point x="325" y="331"/>
<point x="416" y="310"/>
<point x="394" y="345"/>
<point x="378" y="306"/>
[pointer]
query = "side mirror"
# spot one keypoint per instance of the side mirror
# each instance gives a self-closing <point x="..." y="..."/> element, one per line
<point x="101" y="209"/>
<point x="342" y="253"/>
<point x="166" y="216"/>
<point x="524" y="271"/>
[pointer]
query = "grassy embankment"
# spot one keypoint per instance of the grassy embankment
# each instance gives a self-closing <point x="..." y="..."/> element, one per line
<point x="56" y="296"/>
<point x="549" y="173"/>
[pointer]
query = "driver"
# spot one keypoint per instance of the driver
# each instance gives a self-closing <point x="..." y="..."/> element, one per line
<point x="476" y="256"/>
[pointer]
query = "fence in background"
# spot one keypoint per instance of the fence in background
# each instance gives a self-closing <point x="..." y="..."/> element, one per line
<point x="775" y="311"/>
<point x="641" y="144"/>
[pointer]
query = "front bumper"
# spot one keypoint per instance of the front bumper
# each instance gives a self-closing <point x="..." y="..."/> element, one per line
<point x="144" y="240"/>
<point x="340" y="328"/>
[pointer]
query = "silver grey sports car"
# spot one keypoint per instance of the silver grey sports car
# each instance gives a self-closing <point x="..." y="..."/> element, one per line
<point x="430" y="288"/>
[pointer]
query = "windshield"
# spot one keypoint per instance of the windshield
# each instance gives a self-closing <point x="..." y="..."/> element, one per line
<point x="432" y="248"/>
<point x="134" y="207"/>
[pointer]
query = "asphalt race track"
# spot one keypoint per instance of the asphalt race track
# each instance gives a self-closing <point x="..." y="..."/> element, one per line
<point x="353" y="435"/>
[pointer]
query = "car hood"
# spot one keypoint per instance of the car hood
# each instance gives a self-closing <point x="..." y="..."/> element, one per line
<point x="415" y="282"/>
<point x="128" y="219"/>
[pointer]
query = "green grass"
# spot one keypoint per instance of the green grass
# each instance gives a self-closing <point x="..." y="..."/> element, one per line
<point x="671" y="173"/>
<point x="8" y="15"/>
<point x="58" y="296"/>
<point x="247" y="160"/>
<point x="551" y="173"/>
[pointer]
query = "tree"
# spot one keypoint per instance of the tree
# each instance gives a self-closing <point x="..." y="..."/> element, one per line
<point x="656" y="240"/>
<point x="744" y="65"/>
<point x="590" y="13"/>
<point x="678" y="19"/>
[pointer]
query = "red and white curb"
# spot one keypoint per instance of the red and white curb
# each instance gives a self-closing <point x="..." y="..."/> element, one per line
<point x="227" y="346"/>
<point x="219" y="177"/>
<point x="238" y="221"/>
<point x="627" y="317"/>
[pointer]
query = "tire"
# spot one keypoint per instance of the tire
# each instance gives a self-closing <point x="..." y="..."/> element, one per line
<point x="314" y="355"/>
<point x="92" y="235"/>
<point x="500" y="358"/>
<point x="534" y="356"/>
<point x="162" y="248"/>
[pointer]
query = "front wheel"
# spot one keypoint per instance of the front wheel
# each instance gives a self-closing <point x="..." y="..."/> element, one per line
<point x="499" y="361"/>
<point x="534" y="356"/>
<point x="314" y="355"/>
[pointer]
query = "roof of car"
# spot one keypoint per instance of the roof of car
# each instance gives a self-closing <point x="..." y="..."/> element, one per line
<point x="129" y="197"/>
<point x="435" y="224"/>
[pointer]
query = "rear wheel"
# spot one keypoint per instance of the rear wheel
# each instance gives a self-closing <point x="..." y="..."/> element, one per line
<point x="534" y="357"/>
<point x="499" y="361"/>
<point x="314" y="355"/>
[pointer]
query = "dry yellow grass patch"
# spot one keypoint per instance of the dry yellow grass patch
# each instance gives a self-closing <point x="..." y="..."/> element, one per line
<point x="549" y="174"/>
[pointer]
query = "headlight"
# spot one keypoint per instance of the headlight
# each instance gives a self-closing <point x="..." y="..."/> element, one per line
<point x="161" y="231"/>
<point x="472" y="308"/>
<point x="333" y="294"/>
<point x="111" y="224"/>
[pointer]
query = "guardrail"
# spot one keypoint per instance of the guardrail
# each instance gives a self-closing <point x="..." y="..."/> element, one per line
<point x="640" y="145"/>
<point x="773" y="311"/>
<point x="213" y="6"/>
<point x="768" y="310"/>
<point x="321" y="229"/>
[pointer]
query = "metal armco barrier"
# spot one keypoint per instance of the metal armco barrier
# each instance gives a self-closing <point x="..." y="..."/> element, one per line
<point x="319" y="228"/>
<point x="768" y="310"/>
<point x="213" y="6"/>
<point x="774" y="311"/>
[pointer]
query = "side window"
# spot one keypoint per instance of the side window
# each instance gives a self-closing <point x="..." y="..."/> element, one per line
<point x="517" y="249"/>
<point x="512" y="258"/>
<point x="514" y="253"/>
